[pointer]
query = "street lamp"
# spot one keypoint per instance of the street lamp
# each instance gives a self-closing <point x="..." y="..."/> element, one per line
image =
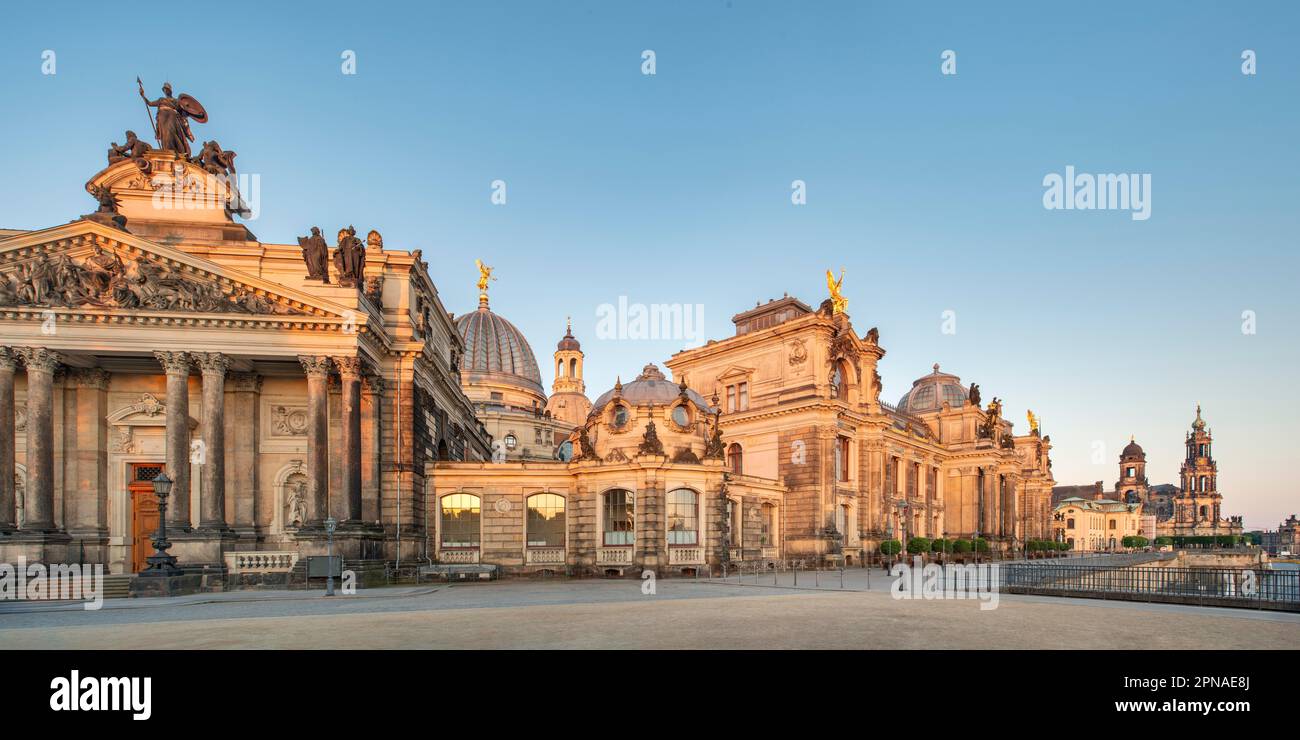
<point x="160" y="563"/>
<point x="330" y="524"/>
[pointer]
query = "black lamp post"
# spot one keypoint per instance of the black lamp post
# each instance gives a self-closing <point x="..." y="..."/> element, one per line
<point x="330" y="524"/>
<point x="160" y="563"/>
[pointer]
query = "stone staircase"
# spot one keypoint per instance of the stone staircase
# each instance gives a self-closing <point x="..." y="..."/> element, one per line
<point x="118" y="586"/>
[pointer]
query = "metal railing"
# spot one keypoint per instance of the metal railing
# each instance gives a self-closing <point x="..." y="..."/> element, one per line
<point x="1255" y="587"/>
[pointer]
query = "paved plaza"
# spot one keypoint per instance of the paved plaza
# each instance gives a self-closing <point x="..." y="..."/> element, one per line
<point x="616" y="614"/>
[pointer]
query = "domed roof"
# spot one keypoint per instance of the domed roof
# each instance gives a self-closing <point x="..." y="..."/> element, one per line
<point x="929" y="392"/>
<point x="1199" y="424"/>
<point x="494" y="345"/>
<point x="1133" y="451"/>
<point x="568" y="342"/>
<point x="650" y="387"/>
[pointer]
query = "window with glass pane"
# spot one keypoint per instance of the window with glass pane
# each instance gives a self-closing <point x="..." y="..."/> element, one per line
<point x="618" y="515"/>
<point x="731" y="398"/>
<point x="680" y="416"/>
<point x="460" y="520"/>
<point x="735" y="458"/>
<point x="769" y="522"/>
<point x="736" y="534"/>
<point x="545" y="520"/>
<point x="683" y="517"/>
<point x="620" y="416"/>
<point x="743" y="392"/>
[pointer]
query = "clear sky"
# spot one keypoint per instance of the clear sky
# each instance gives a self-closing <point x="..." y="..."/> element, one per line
<point x="676" y="188"/>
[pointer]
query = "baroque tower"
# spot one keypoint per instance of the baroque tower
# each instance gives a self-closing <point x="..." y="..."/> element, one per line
<point x="568" y="401"/>
<point x="1197" y="506"/>
<point x="1131" y="488"/>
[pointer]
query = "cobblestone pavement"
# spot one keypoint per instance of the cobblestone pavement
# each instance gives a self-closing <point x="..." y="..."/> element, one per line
<point x="615" y="614"/>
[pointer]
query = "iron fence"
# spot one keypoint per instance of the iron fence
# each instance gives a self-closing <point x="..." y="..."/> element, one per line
<point x="1258" y="587"/>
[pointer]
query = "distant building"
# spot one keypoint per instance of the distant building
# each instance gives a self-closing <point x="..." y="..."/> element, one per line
<point x="1090" y="525"/>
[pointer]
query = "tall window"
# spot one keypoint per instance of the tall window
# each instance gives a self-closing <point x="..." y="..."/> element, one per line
<point x="842" y="459"/>
<point x="683" y="517"/>
<point x="619" y="515"/>
<point x="839" y="388"/>
<point x="735" y="458"/>
<point x="460" y="520"/>
<point x="545" y="520"/>
<point x="742" y="396"/>
<point x="731" y="398"/>
<point x="891" y="488"/>
<point x="735" y="533"/>
<point x="768" y="531"/>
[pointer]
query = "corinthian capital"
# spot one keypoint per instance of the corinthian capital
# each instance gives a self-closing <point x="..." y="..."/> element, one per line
<point x="8" y="359"/>
<point x="349" y="367"/>
<point x="211" y="363"/>
<point x="316" y="366"/>
<point x="39" y="358"/>
<point x="175" y="363"/>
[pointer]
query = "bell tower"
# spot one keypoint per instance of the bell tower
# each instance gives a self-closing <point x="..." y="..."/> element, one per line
<point x="1197" y="507"/>
<point x="568" y="401"/>
<point x="1131" y="488"/>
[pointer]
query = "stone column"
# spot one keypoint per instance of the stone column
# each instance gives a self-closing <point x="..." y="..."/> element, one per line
<point x="350" y="374"/>
<point x="212" y="460"/>
<point x="41" y="364"/>
<point x="372" y="396"/>
<point x="85" y="502"/>
<point x="318" y="456"/>
<point x="177" y="367"/>
<point x="253" y="510"/>
<point x="8" y="364"/>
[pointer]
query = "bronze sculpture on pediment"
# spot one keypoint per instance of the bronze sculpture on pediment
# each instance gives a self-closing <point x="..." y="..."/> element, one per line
<point x="172" y="128"/>
<point x="349" y="258"/>
<point x="315" y="254"/>
<point x="133" y="149"/>
<point x="214" y="160"/>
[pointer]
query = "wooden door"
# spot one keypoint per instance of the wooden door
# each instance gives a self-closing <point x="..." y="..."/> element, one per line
<point x="144" y="511"/>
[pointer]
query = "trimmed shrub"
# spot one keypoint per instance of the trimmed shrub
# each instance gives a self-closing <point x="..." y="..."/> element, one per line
<point x="1164" y="540"/>
<point x="918" y="545"/>
<point x="981" y="544"/>
<point x="940" y="545"/>
<point x="961" y="546"/>
<point x="890" y="547"/>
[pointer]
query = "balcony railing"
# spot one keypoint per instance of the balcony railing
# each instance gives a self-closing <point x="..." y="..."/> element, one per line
<point x="545" y="556"/>
<point x="459" y="557"/>
<point x="685" y="555"/>
<point x="614" y="556"/>
<point x="260" y="562"/>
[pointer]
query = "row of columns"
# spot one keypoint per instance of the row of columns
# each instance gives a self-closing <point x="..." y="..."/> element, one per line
<point x="210" y="454"/>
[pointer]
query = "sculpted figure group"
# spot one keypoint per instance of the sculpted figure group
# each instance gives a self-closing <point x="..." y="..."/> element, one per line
<point x="349" y="256"/>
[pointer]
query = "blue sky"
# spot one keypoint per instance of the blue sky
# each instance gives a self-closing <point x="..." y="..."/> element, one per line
<point x="675" y="188"/>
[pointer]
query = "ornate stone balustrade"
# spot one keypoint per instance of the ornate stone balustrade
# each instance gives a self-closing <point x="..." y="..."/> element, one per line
<point x="545" y="556"/>
<point x="614" y="556"/>
<point x="459" y="557"/>
<point x="260" y="562"/>
<point x="685" y="555"/>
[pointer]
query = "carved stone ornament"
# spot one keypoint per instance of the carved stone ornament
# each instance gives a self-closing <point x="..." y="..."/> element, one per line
<point x="289" y="420"/>
<point x="102" y="279"/>
<point x="715" y="450"/>
<point x="686" y="455"/>
<point x="616" y="456"/>
<point x="798" y="352"/>
<point x="650" y="443"/>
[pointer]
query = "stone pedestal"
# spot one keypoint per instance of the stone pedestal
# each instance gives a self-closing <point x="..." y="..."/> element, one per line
<point x="201" y="547"/>
<point x="37" y="547"/>
<point x="352" y="541"/>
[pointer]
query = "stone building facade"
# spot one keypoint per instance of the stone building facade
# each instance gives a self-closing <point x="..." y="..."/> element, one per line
<point x="153" y="336"/>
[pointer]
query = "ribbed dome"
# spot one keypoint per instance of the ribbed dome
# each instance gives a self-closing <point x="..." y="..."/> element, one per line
<point x="493" y="345"/>
<point x="930" y="391"/>
<point x="651" y="387"/>
<point x="1133" y="451"/>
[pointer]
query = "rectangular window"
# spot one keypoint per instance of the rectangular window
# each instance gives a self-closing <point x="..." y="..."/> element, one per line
<point x="683" y="517"/>
<point x="842" y="459"/>
<point x="619" y="511"/>
<point x="731" y="398"/>
<point x="769" y="524"/>
<point x="743" y="392"/>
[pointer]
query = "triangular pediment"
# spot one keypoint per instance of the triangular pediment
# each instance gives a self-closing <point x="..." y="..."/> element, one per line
<point x="92" y="267"/>
<point x="736" y="371"/>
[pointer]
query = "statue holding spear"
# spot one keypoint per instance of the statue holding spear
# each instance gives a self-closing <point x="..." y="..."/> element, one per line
<point x="172" y="129"/>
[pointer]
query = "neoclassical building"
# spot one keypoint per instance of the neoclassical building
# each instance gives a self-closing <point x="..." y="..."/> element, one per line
<point x="1096" y="524"/>
<point x="159" y="334"/>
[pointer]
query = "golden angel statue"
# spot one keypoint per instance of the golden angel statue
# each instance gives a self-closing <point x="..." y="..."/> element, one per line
<point x="1033" y="421"/>
<point x="838" y="301"/>
<point x="484" y="275"/>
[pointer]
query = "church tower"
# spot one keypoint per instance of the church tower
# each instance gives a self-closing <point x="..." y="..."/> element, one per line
<point x="568" y="401"/>
<point x="1131" y="488"/>
<point x="1197" y="506"/>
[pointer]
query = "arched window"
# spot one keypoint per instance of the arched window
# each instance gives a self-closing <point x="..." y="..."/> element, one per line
<point x="1204" y="484"/>
<point x="768" y="531"/>
<point x="545" y="520"/>
<point x="618" y="511"/>
<point x="683" y="517"/>
<point x="460" y="520"/>
<point x="735" y="458"/>
<point x="573" y="367"/>
<point x="839" y="382"/>
<point x="559" y="368"/>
